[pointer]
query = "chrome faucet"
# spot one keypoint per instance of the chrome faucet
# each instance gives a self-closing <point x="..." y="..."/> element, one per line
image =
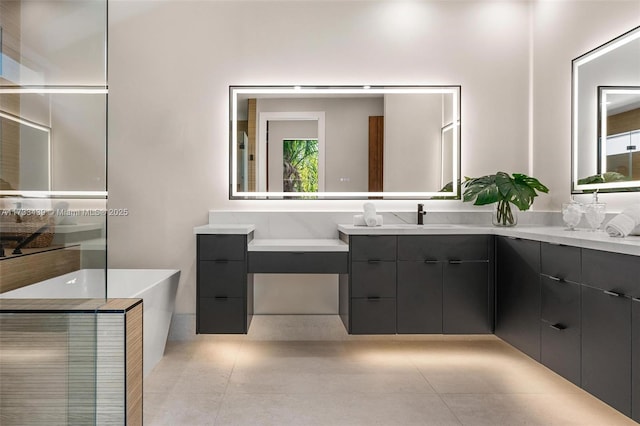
<point x="421" y="214"/>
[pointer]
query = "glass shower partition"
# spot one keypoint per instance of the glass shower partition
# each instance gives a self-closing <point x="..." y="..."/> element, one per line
<point x="62" y="353"/>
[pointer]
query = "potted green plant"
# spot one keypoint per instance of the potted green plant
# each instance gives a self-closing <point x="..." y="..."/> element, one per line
<point x="519" y="190"/>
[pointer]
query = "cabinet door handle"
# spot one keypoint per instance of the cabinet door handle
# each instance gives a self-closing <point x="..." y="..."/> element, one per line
<point x="613" y="293"/>
<point x="373" y="297"/>
<point x="221" y="261"/>
<point x="221" y="297"/>
<point x="558" y="327"/>
<point x="430" y="261"/>
<point x="374" y="260"/>
<point x="455" y="262"/>
<point x="558" y="279"/>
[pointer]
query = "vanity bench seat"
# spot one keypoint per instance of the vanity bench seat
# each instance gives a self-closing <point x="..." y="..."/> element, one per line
<point x="298" y="256"/>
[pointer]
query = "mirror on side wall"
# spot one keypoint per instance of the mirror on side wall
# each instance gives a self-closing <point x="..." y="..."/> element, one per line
<point x="25" y="154"/>
<point x="606" y="117"/>
<point x="344" y="142"/>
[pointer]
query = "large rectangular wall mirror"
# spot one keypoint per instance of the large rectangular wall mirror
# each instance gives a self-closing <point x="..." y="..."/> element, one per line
<point x="606" y="117"/>
<point x="344" y="142"/>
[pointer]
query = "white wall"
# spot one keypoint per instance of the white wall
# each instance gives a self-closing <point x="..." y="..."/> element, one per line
<point x="412" y="154"/>
<point x="171" y="62"/>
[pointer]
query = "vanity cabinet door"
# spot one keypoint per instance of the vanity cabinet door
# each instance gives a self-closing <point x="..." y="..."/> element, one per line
<point x="518" y="294"/>
<point x="560" y="327"/>
<point x="635" y="352"/>
<point x="606" y="347"/>
<point x="419" y="297"/>
<point x="466" y="298"/>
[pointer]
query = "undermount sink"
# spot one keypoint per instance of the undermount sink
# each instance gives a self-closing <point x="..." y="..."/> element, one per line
<point x="414" y="226"/>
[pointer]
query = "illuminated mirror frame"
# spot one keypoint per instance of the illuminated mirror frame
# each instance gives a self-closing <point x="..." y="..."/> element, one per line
<point x="88" y="90"/>
<point x="577" y="188"/>
<point x="236" y="91"/>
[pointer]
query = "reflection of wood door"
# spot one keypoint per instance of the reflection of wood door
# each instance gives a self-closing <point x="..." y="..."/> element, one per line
<point x="376" y="153"/>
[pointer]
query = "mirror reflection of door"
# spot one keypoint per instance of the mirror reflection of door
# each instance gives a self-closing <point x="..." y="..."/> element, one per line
<point x="292" y="154"/>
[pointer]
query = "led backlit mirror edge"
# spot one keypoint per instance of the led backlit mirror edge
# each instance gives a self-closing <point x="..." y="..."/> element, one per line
<point x="234" y="91"/>
<point x="576" y="188"/>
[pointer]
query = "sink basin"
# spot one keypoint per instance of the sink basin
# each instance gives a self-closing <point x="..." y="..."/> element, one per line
<point x="425" y="226"/>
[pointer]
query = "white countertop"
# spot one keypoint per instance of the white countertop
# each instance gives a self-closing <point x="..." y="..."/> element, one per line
<point x="298" y="245"/>
<point x="598" y="240"/>
<point x="224" y="229"/>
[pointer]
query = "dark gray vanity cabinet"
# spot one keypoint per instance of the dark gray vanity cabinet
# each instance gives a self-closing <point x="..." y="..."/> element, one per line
<point x="419" y="297"/>
<point x="224" y="288"/>
<point x="635" y="352"/>
<point x="444" y="284"/>
<point x="518" y="294"/>
<point x="560" y="313"/>
<point x="609" y="280"/>
<point x="372" y="297"/>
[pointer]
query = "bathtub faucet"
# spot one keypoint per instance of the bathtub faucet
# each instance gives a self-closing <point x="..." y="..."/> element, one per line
<point x="7" y="238"/>
<point x="30" y="238"/>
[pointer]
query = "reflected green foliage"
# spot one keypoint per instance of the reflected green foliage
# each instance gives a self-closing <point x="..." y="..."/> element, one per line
<point x="602" y="178"/>
<point x="606" y="178"/>
<point x="300" y="165"/>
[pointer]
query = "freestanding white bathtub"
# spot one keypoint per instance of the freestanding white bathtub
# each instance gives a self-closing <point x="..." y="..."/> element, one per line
<point x="157" y="288"/>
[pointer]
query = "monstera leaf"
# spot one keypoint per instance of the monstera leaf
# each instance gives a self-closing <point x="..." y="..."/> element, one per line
<point x="519" y="190"/>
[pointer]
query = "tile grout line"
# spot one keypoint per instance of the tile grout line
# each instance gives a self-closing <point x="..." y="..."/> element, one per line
<point x="455" y="416"/>
<point x="226" y="388"/>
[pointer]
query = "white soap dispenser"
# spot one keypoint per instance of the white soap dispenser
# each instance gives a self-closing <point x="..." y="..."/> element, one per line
<point x="595" y="212"/>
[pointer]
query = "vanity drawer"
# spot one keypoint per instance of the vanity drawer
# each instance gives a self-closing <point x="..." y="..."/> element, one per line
<point x="222" y="247"/>
<point x="611" y="271"/>
<point x="443" y="247"/>
<point x="298" y="262"/>
<point x="373" y="279"/>
<point x="373" y="316"/>
<point x="222" y="278"/>
<point x="222" y="315"/>
<point x="560" y="350"/>
<point x="560" y="302"/>
<point x="561" y="262"/>
<point x="373" y="247"/>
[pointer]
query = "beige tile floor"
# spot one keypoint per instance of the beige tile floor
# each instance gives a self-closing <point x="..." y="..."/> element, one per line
<point x="294" y="370"/>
